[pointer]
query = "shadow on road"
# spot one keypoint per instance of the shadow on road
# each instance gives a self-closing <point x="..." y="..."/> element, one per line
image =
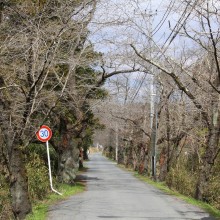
<point x="198" y="213"/>
<point x="85" y="178"/>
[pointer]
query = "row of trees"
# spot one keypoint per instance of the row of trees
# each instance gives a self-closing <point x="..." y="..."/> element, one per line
<point x="50" y="74"/>
<point x="48" y="77"/>
<point x="185" y="65"/>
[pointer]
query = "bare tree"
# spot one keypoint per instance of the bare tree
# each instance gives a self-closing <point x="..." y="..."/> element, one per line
<point x="182" y="41"/>
<point x="192" y="82"/>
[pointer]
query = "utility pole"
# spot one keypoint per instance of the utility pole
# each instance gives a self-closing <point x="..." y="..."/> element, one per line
<point x="153" y="143"/>
<point x="116" y="143"/>
<point x="153" y="119"/>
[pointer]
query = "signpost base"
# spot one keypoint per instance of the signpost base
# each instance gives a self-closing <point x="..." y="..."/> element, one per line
<point x="50" y="175"/>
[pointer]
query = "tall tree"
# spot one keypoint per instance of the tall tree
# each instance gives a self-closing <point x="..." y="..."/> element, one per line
<point x="202" y="76"/>
<point x="32" y="36"/>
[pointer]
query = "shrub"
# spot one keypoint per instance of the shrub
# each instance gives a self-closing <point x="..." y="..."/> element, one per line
<point x="38" y="180"/>
<point x="5" y="203"/>
<point x="212" y="193"/>
<point x="181" y="180"/>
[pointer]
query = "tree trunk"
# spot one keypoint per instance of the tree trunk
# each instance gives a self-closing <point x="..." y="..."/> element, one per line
<point x="80" y="158"/>
<point x="68" y="154"/>
<point x="21" y="204"/>
<point x="207" y="164"/>
<point x="168" y="131"/>
<point x="146" y="163"/>
<point x="163" y="164"/>
<point x="85" y="154"/>
<point x="202" y="181"/>
<point x="68" y="163"/>
<point x="212" y="149"/>
<point x="68" y="159"/>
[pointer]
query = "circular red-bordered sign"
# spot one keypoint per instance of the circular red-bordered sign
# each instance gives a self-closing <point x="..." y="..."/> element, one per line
<point x="44" y="134"/>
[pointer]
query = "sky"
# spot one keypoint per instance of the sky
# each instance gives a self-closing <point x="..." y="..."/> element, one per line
<point x="119" y="23"/>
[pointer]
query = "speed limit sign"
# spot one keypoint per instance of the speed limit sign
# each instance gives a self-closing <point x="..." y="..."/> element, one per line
<point x="44" y="134"/>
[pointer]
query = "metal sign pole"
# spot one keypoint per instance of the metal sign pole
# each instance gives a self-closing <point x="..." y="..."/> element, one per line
<point x="50" y="175"/>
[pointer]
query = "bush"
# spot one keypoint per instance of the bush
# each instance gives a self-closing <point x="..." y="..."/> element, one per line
<point x="212" y="193"/>
<point x="38" y="179"/>
<point x="5" y="203"/>
<point x="181" y="180"/>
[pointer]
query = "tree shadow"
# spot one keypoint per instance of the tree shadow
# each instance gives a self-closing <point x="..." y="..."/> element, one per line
<point x="85" y="178"/>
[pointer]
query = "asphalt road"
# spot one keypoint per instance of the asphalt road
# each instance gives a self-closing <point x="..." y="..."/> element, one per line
<point x="113" y="193"/>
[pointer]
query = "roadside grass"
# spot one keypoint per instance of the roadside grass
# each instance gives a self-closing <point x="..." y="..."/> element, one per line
<point x="39" y="210"/>
<point x="163" y="187"/>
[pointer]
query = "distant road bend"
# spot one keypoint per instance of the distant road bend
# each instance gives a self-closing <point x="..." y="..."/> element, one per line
<point x="113" y="193"/>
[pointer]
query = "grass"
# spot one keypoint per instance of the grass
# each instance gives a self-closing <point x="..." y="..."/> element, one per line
<point x="39" y="210"/>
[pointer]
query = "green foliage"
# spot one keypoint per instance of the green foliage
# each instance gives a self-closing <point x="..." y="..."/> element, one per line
<point x="86" y="77"/>
<point x="38" y="180"/>
<point x="40" y="150"/>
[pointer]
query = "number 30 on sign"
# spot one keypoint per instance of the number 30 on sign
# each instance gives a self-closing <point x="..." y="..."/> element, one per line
<point x="44" y="134"/>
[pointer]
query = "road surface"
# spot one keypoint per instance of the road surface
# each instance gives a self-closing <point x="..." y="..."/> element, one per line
<point x="113" y="193"/>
